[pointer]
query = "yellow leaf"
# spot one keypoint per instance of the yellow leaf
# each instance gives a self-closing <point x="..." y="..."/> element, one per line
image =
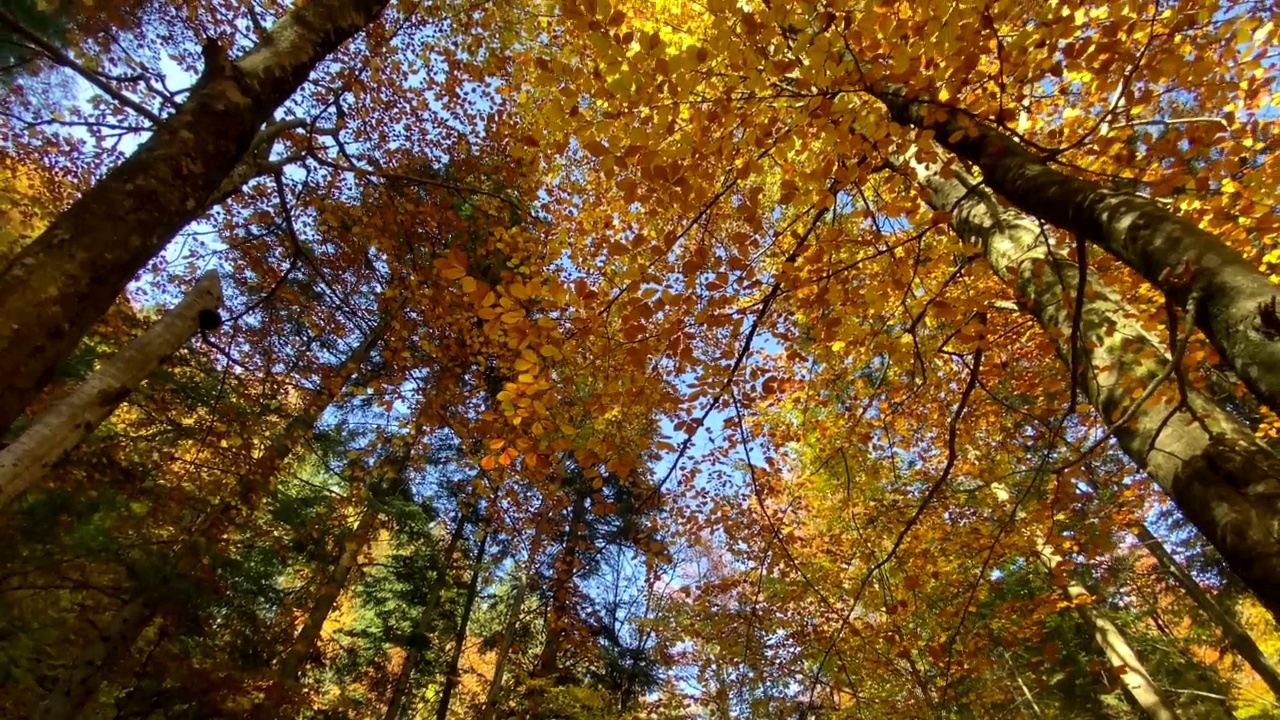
<point x="1262" y="32"/>
<point x="621" y="84"/>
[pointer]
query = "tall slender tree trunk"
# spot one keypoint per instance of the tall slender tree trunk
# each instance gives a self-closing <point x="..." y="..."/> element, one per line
<point x="67" y="278"/>
<point x="56" y="431"/>
<point x="81" y="680"/>
<point x="1237" y="637"/>
<point x="1222" y="478"/>
<point x="1236" y="304"/>
<point x="77" y="685"/>
<point x="562" y="590"/>
<point x="400" y="691"/>
<point x="386" y="477"/>
<point x="504" y="651"/>
<point x="1026" y="691"/>
<point x="509" y="631"/>
<point x="300" y="651"/>
<point x="1124" y="661"/>
<point x="460" y="638"/>
<point x="724" y="707"/>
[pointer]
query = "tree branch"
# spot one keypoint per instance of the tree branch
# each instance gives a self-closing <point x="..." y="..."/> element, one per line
<point x="58" y="56"/>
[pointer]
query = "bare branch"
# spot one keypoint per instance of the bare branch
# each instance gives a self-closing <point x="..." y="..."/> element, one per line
<point x="58" y="56"/>
<point x="1178" y="121"/>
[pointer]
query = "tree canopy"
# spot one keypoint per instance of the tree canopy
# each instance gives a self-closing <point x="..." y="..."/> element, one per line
<point x="639" y="359"/>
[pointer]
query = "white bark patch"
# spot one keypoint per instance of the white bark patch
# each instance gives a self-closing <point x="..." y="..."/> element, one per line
<point x="59" y="429"/>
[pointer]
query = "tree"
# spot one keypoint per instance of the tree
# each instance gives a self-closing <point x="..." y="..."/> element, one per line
<point x="57" y="286"/>
<point x="747" y="428"/>
<point x="1210" y="462"/>
<point x="1239" y="639"/>
<point x="825" y="96"/>
<point x="460" y="638"/>
<point x="385" y="478"/>
<point x="61" y="428"/>
<point x="1234" y="302"/>
<point x="79" y="681"/>
<point x="45" y="21"/>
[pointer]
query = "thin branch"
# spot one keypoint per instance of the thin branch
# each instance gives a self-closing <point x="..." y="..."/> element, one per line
<point x="953" y="431"/>
<point x="1178" y="121"/>
<point x="355" y="169"/>
<point x="58" y="56"/>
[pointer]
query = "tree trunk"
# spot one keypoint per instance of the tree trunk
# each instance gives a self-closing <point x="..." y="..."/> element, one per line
<point x="508" y="637"/>
<point x="1235" y="303"/>
<point x="460" y="638"/>
<point x="1237" y="637"/>
<point x="400" y="691"/>
<point x="387" y="477"/>
<point x="60" y="284"/>
<point x="724" y="704"/>
<point x="257" y="480"/>
<point x="1026" y="691"/>
<point x="509" y="632"/>
<point x="1225" y="481"/>
<point x="561" y="589"/>
<point x="60" y="428"/>
<point x="1124" y="661"/>
<point x="78" y="684"/>
<point x="304" y="643"/>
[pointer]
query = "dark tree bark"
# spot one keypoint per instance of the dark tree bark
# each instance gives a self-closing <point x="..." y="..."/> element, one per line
<point x="562" y="591"/>
<point x="400" y="691"/>
<point x="67" y="278"/>
<point x="460" y="637"/>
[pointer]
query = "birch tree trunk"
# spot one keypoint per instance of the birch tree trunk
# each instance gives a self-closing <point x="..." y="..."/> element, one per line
<point x="57" y="430"/>
<point x="78" y="683"/>
<point x="1026" y="691"/>
<point x="400" y="690"/>
<point x="1235" y="303"/>
<point x="1222" y="478"/>
<point x="1124" y="661"/>
<point x="460" y="638"/>
<point x="56" y="287"/>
